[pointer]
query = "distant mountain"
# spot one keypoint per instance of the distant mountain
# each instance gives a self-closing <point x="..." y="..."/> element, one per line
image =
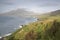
<point x="18" y="12"/>
<point x="49" y="14"/>
<point x="54" y="13"/>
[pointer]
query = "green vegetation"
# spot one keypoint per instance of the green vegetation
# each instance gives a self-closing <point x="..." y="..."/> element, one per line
<point x="46" y="29"/>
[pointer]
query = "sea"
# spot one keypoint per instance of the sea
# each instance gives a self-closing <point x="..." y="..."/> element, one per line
<point x="9" y="24"/>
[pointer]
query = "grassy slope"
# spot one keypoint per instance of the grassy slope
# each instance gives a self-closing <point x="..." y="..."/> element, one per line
<point x="41" y="30"/>
<point x="47" y="29"/>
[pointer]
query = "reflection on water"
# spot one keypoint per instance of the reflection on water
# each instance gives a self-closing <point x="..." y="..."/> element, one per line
<point x="9" y="24"/>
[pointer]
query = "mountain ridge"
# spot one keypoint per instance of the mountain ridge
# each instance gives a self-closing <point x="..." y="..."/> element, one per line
<point x="18" y="12"/>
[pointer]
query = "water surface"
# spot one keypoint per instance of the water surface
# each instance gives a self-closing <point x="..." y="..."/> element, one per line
<point x="9" y="24"/>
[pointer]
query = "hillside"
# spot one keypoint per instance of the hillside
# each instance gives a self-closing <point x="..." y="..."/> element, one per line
<point x="45" y="29"/>
<point x="54" y="13"/>
<point x="49" y="14"/>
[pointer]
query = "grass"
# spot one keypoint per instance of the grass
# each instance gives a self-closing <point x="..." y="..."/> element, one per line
<point x="47" y="29"/>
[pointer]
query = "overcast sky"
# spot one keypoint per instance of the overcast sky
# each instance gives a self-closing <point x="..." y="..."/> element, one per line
<point x="32" y="5"/>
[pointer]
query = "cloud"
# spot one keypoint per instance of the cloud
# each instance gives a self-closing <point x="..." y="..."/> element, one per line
<point x="7" y="2"/>
<point x="49" y="3"/>
<point x="29" y="4"/>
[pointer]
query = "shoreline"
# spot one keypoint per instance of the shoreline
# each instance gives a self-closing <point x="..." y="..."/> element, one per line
<point x="2" y="37"/>
<point x="5" y="35"/>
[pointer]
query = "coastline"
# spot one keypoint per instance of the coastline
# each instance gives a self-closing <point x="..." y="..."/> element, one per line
<point x="2" y="37"/>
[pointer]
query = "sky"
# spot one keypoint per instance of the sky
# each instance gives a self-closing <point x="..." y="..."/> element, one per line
<point x="30" y="5"/>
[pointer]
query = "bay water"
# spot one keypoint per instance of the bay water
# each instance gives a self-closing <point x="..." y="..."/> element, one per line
<point x="9" y="24"/>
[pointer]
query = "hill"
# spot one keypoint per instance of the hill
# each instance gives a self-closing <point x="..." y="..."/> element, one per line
<point x="54" y="13"/>
<point x="45" y="29"/>
<point x="49" y="14"/>
<point x="18" y="12"/>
